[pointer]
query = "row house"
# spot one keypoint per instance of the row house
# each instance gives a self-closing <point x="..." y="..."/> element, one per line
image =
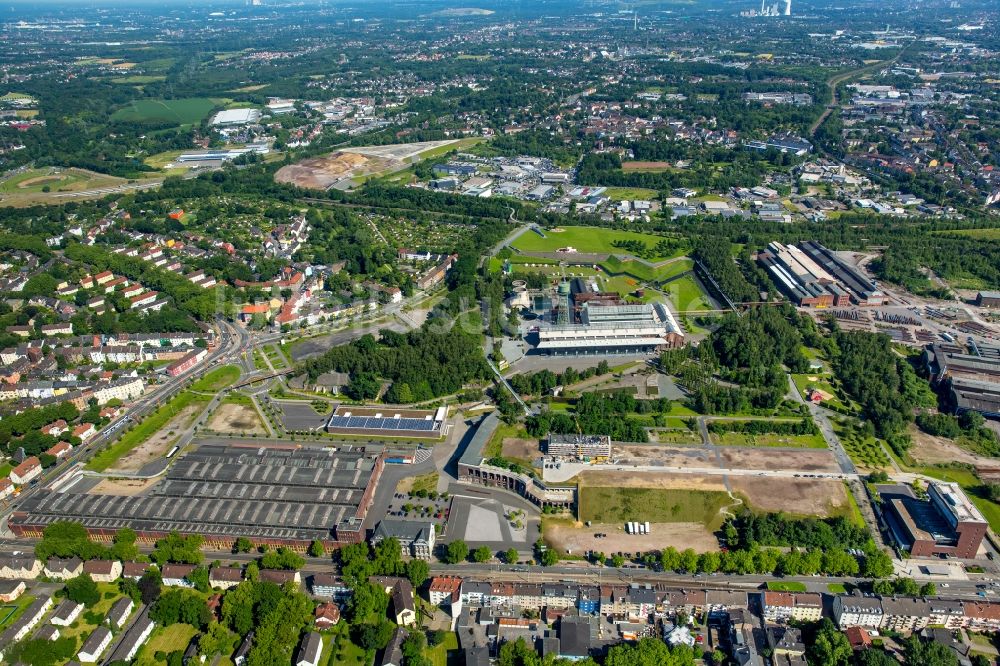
<point x="784" y="606"/>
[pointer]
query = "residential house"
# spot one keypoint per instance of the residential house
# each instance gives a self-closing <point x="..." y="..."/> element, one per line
<point x="134" y="570"/>
<point x="63" y="569"/>
<point x="11" y="590"/>
<point x="19" y="566"/>
<point x="857" y="611"/>
<point x="60" y="450"/>
<point x="27" y="471"/>
<point x="444" y="590"/>
<point x="84" y="431"/>
<point x="103" y="571"/>
<point x="224" y="578"/>
<point x="175" y="575"/>
<point x="905" y="614"/>
<point x="327" y="615"/>
<point x="327" y="585"/>
<point x="28" y="620"/>
<point x="66" y="613"/>
<point x="280" y="576"/>
<point x="6" y="488"/>
<point x="119" y="612"/>
<point x="310" y="650"/>
<point x="415" y="539"/>
<point x="94" y="646"/>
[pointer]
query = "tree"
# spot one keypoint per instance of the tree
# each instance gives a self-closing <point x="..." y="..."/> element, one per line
<point x="82" y="590"/>
<point x="482" y="554"/>
<point x="510" y="556"/>
<point x="124" y="547"/>
<point x="417" y="571"/>
<point x="928" y="590"/>
<point x="831" y="647"/>
<point x="217" y="640"/>
<point x="237" y="608"/>
<point x="649" y="652"/>
<point x="242" y="545"/>
<point x="549" y="558"/>
<point x="456" y="551"/>
<point x="877" y="565"/>
<point x="373" y="635"/>
<point x="875" y="657"/>
<point x="149" y="586"/>
<point x="916" y="651"/>
<point x="316" y="549"/>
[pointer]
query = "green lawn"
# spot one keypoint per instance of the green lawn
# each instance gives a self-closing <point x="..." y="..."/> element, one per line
<point x="629" y="193"/>
<point x="184" y="111"/>
<point x="584" y="239"/>
<point x="644" y="272"/>
<point x="743" y="439"/>
<point x="837" y="588"/>
<point x="276" y="357"/>
<point x="785" y="586"/>
<point x="344" y="652"/>
<point x="687" y="295"/>
<point x="144" y="430"/>
<point x="218" y="379"/>
<point x="438" y="655"/>
<point x="603" y="504"/>
<point x="5" y="469"/>
<point x="165" y="639"/>
<point x="258" y="360"/>
<point x="680" y="437"/>
<point x="139" y="78"/>
<point x="12" y="611"/>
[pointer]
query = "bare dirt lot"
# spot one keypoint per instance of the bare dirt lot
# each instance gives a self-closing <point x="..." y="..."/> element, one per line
<point x="122" y="487"/>
<point x="813" y="497"/>
<point x="157" y="445"/>
<point x="668" y="456"/>
<point x="236" y="418"/>
<point x="651" y="480"/>
<point x="579" y="540"/>
<point x="931" y="450"/>
<point x="320" y="173"/>
<point x="806" y="460"/>
<point x="525" y="449"/>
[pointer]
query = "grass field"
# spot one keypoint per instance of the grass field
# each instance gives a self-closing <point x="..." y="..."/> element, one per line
<point x="641" y="271"/>
<point x="139" y="79"/>
<point x="629" y="193"/>
<point x="687" y="295"/>
<point x="743" y="439"/>
<point x="345" y="652"/>
<point x="657" y="505"/>
<point x="983" y="234"/>
<point x="217" y="379"/>
<point x="584" y="239"/>
<point x="165" y="639"/>
<point x="276" y="357"/>
<point x="258" y="360"/>
<point x="438" y="655"/>
<point x="785" y="586"/>
<point x="5" y="469"/>
<point x="184" y="111"/>
<point x="12" y="611"/>
<point x="143" y="431"/>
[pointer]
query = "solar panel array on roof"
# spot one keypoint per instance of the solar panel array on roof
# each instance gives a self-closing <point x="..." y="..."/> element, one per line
<point x="375" y="423"/>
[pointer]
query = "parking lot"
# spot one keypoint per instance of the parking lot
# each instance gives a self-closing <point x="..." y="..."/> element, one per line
<point x="297" y="415"/>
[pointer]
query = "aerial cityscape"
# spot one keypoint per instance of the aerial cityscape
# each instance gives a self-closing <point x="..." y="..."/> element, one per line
<point x="593" y="333"/>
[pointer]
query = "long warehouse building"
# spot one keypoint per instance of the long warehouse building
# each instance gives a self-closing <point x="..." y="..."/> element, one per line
<point x="282" y="496"/>
<point x="614" y="329"/>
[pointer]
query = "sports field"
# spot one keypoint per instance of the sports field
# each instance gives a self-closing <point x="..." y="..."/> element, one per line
<point x="184" y="111"/>
<point x="602" y="504"/>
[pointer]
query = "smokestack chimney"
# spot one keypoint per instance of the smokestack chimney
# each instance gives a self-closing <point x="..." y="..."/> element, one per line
<point x="788" y="7"/>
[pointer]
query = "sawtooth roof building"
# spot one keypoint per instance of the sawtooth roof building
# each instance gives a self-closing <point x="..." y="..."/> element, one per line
<point x="278" y="495"/>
